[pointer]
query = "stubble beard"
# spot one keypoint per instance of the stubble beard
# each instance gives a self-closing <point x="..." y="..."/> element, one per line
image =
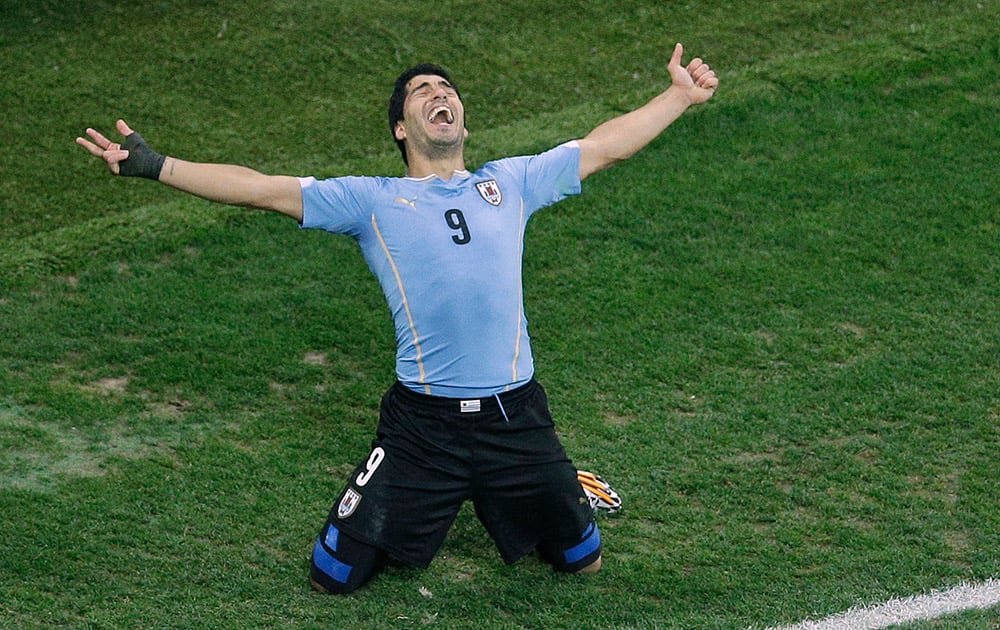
<point x="443" y="149"/>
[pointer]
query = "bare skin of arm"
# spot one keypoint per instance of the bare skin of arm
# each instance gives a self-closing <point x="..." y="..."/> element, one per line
<point x="222" y="183"/>
<point x="622" y="137"/>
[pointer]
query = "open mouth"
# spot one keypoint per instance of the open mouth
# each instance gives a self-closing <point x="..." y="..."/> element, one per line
<point x="441" y="115"/>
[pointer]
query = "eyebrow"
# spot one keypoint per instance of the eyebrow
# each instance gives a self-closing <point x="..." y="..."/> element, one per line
<point x="426" y="84"/>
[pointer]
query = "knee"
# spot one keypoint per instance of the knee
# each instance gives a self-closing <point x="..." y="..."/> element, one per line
<point x="593" y="567"/>
<point x="340" y="564"/>
<point x="323" y="583"/>
<point x="580" y="555"/>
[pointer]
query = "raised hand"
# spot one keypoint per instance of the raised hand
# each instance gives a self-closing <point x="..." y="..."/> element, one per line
<point x="131" y="158"/>
<point x="697" y="80"/>
<point x="100" y="147"/>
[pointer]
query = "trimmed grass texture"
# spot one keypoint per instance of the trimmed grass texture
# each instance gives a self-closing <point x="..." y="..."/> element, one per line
<point x="774" y="331"/>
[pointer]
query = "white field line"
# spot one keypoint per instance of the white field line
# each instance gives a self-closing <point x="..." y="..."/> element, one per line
<point x="919" y="607"/>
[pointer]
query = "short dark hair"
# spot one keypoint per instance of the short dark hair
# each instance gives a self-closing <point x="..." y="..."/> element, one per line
<point x="398" y="97"/>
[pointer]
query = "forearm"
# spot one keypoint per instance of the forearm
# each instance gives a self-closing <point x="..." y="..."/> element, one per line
<point x="622" y="137"/>
<point x="235" y="185"/>
<point x="223" y="183"/>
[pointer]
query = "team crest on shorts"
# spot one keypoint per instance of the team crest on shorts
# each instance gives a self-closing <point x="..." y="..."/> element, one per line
<point x="348" y="504"/>
<point x="490" y="192"/>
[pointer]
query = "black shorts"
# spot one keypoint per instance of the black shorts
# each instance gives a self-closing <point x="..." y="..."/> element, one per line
<point x="432" y="454"/>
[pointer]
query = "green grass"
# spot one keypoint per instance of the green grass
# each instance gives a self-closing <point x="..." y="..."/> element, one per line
<point x="775" y="330"/>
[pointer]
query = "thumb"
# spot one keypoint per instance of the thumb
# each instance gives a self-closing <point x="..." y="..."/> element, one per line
<point x="123" y="128"/>
<point x="675" y="59"/>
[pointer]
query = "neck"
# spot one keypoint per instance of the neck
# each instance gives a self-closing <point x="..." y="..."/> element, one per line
<point x="421" y="167"/>
<point x="425" y="159"/>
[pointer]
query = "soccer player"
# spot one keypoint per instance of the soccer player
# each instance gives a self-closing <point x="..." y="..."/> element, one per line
<point x="466" y="420"/>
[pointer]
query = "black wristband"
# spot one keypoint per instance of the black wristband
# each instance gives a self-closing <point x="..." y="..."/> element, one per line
<point x="142" y="161"/>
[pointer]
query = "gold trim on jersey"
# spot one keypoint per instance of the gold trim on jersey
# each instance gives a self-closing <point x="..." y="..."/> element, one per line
<point x="406" y="304"/>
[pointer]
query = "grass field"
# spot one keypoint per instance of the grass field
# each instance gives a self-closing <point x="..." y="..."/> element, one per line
<point x="776" y="330"/>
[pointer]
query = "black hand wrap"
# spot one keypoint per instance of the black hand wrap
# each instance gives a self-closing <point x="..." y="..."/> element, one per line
<point x="142" y="161"/>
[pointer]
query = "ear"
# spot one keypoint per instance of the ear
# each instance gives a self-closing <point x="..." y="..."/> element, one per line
<point x="400" y="131"/>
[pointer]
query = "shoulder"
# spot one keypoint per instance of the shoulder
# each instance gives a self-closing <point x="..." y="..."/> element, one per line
<point x="341" y="204"/>
<point x="348" y="182"/>
<point x="565" y="152"/>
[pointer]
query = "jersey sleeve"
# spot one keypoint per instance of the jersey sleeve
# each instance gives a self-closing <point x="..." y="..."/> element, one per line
<point x="551" y="176"/>
<point x="336" y="204"/>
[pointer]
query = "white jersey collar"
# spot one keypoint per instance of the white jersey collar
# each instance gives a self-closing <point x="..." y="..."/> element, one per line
<point x="456" y="173"/>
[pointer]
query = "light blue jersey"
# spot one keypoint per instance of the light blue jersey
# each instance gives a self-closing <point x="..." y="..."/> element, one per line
<point x="447" y="255"/>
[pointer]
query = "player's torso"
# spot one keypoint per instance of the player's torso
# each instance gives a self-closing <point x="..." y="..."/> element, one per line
<point x="463" y="226"/>
<point x="448" y="256"/>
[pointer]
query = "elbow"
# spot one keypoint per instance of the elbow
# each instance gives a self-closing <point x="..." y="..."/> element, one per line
<point x="596" y="156"/>
<point x="596" y="163"/>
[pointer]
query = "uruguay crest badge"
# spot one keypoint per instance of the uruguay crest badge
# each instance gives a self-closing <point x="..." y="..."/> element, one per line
<point x="490" y="192"/>
<point x="348" y="504"/>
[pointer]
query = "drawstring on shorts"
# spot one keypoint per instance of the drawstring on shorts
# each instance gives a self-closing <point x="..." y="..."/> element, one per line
<point x="502" y="410"/>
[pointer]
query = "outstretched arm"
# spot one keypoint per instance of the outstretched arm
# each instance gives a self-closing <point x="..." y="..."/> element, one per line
<point x="622" y="137"/>
<point x="223" y="183"/>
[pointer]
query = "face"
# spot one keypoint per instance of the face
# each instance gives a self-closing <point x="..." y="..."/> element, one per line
<point x="433" y="117"/>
